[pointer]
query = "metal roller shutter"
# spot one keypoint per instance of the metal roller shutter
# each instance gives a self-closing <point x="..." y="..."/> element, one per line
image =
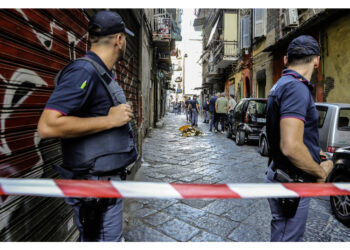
<point x="128" y="70"/>
<point x="34" y="46"/>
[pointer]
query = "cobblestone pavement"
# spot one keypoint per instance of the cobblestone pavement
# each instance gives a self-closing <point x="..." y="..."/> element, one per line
<point x="211" y="158"/>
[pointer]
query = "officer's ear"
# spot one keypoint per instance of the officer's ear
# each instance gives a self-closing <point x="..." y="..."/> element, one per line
<point x="316" y="62"/>
<point x="118" y="41"/>
<point x="285" y="61"/>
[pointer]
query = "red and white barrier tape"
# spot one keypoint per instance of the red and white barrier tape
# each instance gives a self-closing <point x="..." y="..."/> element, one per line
<point x="132" y="189"/>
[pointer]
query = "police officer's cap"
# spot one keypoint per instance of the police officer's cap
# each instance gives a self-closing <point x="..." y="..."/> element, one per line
<point x="303" y="46"/>
<point x="106" y="22"/>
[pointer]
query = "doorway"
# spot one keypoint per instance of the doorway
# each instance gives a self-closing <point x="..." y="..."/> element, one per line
<point x="247" y="87"/>
<point x="261" y="79"/>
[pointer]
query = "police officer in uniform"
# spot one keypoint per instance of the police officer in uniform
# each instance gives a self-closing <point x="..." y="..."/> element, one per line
<point x="93" y="124"/>
<point x="292" y="131"/>
<point x="194" y="107"/>
<point x="206" y="110"/>
<point x="213" y="114"/>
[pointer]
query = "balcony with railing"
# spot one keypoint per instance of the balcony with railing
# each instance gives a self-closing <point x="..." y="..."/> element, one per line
<point x="212" y="70"/>
<point x="225" y="53"/>
<point x="165" y="27"/>
<point x="162" y="28"/>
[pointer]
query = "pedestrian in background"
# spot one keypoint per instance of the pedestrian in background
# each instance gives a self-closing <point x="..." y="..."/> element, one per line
<point x="200" y="106"/>
<point x="179" y="108"/>
<point x="213" y="115"/>
<point x="221" y="109"/>
<point x="92" y="120"/>
<point x="206" y="110"/>
<point x="194" y="107"/>
<point x="292" y="132"/>
<point x="176" y="106"/>
<point x="231" y="103"/>
<point x="187" y="103"/>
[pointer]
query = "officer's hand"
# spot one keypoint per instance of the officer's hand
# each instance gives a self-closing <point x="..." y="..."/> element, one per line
<point x="120" y="115"/>
<point x="327" y="167"/>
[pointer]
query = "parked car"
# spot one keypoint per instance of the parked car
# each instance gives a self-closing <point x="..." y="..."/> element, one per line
<point x="341" y="173"/>
<point x="333" y="126"/>
<point x="246" y="120"/>
<point x="263" y="144"/>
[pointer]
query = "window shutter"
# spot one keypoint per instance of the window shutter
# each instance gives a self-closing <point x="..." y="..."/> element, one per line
<point x="241" y="34"/>
<point x="259" y="22"/>
<point x="246" y="32"/>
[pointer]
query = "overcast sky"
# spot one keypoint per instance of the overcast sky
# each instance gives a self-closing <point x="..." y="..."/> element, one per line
<point x="193" y="48"/>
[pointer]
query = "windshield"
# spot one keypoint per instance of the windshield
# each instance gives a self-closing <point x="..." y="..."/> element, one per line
<point x="343" y="120"/>
<point x="322" y="112"/>
<point x="257" y="107"/>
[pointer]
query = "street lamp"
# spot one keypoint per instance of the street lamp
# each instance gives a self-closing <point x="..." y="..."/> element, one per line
<point x="183" y="73"/>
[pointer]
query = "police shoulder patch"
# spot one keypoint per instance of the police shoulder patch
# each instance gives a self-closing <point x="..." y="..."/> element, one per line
<point x="83" y="85"/>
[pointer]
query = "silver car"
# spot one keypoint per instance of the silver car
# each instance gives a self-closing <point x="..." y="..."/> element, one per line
<point x="333" y="126"/>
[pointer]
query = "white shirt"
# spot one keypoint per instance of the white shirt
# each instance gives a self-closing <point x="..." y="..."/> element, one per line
<point x="232" y="103"/>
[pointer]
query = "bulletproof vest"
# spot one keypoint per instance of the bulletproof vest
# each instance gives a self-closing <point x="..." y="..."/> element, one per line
<point x="273" y="130"/>
<point x="77" y="151"/>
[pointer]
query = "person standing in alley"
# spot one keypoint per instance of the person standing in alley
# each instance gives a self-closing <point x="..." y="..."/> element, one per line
<point x="194" y="107"/>
<point x="206" y="110"/>
<point x="213" y="114"/>
<point x="88" y="111"/>
<point x="292" y="133"/>
<point x="221" y="109"/>
<point x="231" y="103"/>
<point x="187" y="103"/>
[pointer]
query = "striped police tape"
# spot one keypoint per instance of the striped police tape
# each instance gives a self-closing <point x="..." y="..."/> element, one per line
<point x="132" y="189"/>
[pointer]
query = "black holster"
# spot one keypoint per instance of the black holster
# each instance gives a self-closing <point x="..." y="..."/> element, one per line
<point x="289" y="206"/>
<point x="90" y="215"/>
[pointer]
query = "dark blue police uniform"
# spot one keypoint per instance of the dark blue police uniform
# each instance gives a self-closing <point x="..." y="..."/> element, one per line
<point x="194" y="112"/>
<point x="291" y="97"/>
<point x="81" y="93"/>
<point x="206" y="111"/>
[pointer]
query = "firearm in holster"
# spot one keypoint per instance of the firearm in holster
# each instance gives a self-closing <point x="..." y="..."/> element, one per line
<point x="90" y="214"/>
<point x="289" y="206"/>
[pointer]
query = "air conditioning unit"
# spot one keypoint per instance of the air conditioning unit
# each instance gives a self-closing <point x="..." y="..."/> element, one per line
<point x="290" y="18"/>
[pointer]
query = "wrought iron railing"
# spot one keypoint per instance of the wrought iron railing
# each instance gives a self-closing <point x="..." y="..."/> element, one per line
<point x="226" y="48"/>
<point x="162" y="27"/>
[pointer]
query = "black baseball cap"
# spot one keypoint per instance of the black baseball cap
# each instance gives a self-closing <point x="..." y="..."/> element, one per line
<point x="304" y="45"/>
<point x="107" y="22"/>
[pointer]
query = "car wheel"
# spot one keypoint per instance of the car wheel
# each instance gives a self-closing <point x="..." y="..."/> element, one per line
<point x="341" y="204"/>
<point x="228" y="132"/>
<point x="263" y="147"/>
<point x="240" y="137"/>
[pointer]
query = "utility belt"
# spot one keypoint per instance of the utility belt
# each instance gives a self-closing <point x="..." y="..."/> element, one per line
<point x="67" y="173"/>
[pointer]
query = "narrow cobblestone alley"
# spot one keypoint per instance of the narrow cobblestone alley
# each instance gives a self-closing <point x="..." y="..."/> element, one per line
<point x="211" y="158"/>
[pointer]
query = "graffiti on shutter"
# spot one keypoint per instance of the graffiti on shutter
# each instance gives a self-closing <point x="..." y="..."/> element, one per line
<point x="259" y="22"/>
<point x="34" y="46"/>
